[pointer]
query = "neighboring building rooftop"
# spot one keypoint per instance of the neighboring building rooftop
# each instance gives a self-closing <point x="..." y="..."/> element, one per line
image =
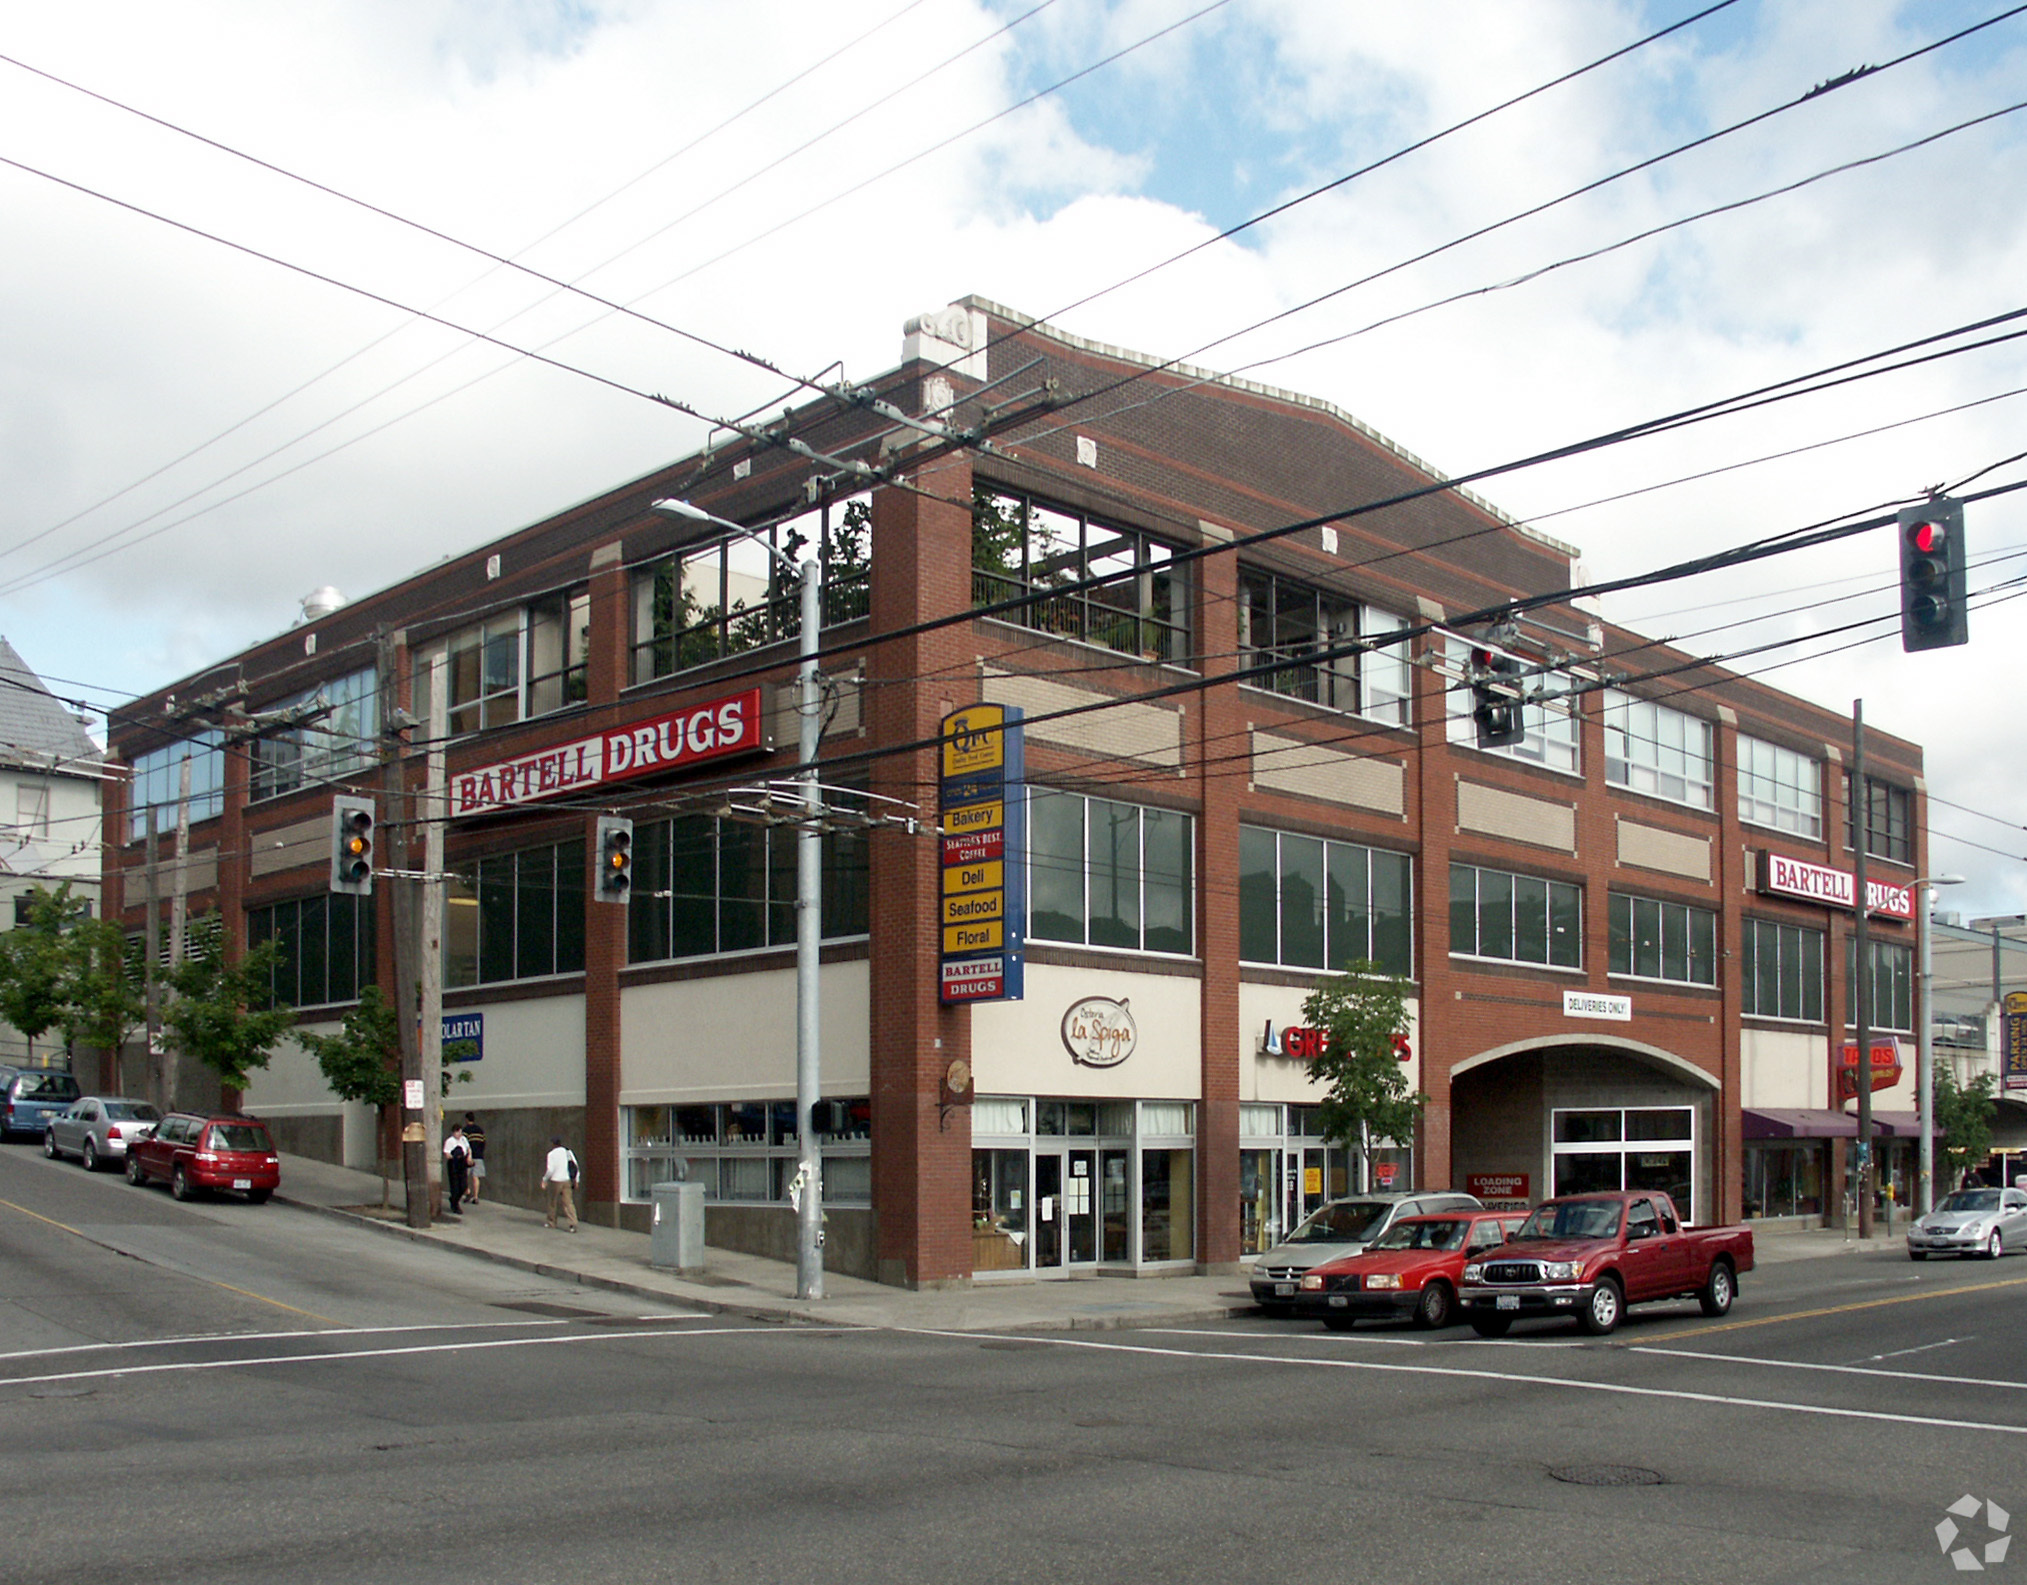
<point x="36" y="731"/>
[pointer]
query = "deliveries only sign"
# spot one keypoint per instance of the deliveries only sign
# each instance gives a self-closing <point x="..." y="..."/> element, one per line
<point x="674" y="741"/>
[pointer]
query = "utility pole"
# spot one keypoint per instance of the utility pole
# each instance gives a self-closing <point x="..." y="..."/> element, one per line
<point x="415" y="1098"/>
<point x="809" y="946"/>
<point x="1861" y="974"/>
<point x="435" y="812"/>
<point x="179" y="908"/>
<point x="157" y="1076"/>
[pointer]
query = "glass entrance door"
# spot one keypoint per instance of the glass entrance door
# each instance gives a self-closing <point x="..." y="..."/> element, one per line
<point x="1066" y="1209"/>
<point x="1080" y="1208"/>
<point x="1049" y="1243"/>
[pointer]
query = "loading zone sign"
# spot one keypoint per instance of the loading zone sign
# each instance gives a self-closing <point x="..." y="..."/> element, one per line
<point x="981" y="903"/>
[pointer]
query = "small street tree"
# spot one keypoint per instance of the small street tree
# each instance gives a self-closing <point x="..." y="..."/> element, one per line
<point x="222" y="1013"/>
<point x="35" y="964"/>
<point x="1963" y="1115"/>
<point x="1363" y="1014"/>
<point x="103" y="1003"/>
<point x="362" y="1062"/>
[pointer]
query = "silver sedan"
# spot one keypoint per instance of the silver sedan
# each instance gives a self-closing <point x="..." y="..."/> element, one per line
<point x="1984" y="1222"/>
<point x="98" y="1128"/>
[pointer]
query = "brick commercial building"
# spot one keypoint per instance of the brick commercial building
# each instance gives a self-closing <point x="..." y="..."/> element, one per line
<point x="1626" y="933"/>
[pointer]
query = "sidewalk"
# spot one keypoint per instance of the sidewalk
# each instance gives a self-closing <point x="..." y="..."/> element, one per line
<point x="604" y="1258"/>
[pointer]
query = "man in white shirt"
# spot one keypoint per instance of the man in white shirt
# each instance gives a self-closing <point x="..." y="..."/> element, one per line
<point x="559" y="1177"/>
<point x="457" y="1160"/>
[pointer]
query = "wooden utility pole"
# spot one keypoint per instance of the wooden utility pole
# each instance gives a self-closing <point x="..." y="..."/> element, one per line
<point x="416" y="1167"/>
<point x="1861" y="972"/>
<point x="155" y="1064"/>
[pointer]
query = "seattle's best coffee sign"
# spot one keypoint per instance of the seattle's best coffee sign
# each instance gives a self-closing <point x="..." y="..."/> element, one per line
<point x="1781" y="876"/>
<point x="674" y="741"/>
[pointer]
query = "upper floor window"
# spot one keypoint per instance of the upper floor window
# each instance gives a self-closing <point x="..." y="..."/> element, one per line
<point x="326" y="946"/>
<point x="726" y="596"/>
<point x="1780" y="971"/>
<point x="341" y="742"/>
<point x="1656" y="940"/>
<point x="1023" y="548"/>
<point x="516" y="916"/>
<point x="1780" y="788"/>
<point x="703" y="886"/>
<point x="1311" y="904"/>
<point x="1889" y="822"/>
<point x="1653" y="749"/>
<point x="31" y="809"/>
<point x="158" y="776"/>
<point x="515" y="664"/>
<point x="1280" y="619"/>
<point x="1519" y="918"/>
<point x="1553" y="726"/>
<point x="1108" y="874"/>
<point x="1892" y="1004"/>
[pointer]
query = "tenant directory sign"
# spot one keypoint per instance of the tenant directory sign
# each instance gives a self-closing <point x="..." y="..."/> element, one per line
<point x="983" y="902"/>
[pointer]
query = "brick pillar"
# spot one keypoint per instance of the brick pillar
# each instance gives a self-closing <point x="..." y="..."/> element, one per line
<point x="1434" y="776"/>
<point x="604" y="923"/>
<point x="921" y="1155"/>
<point x="1215" y="724"/>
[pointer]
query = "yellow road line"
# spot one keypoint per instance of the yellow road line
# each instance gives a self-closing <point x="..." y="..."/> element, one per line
<point x="246" y="1293"/>
<point x="1846" y="1309"/>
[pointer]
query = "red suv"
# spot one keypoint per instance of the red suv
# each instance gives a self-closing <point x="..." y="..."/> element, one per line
<point x="193" y="1153"/>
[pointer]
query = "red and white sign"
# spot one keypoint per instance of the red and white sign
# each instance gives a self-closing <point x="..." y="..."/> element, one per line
<point x="1491" y="1186"/>
<point x="1886" y="1066"/>
<point x="674" y="741"/>
<point x="1305" y="1043"/>
<point x="1781" y="876"/>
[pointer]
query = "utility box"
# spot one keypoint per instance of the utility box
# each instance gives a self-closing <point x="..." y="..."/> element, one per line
<point x="676" y="1237"/>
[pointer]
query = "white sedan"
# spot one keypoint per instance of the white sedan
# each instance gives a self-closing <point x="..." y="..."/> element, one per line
<point x="1984" y="1222"/>
<point x="98" y="1128"/>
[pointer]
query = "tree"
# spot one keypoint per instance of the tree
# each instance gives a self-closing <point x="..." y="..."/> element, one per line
<point x="223" y="1014"/>
<point x="103" y="1002"/>
<point x="1363" y="1014"/>
<point x="35" y="964"/>
<point x="362" y="1061"/>
<point x="1963" y="1114"/>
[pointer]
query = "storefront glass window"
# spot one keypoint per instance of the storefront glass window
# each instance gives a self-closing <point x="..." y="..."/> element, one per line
<point x="1650" y="1147"/>
<point x="1515" y="918"/>
<point x="746" y="1150"/>
<point x="1781" y="970"/>
<point x="1307" y="903"/>
<point x="1167" y="1215"/>
<point x="1109" y="874"/>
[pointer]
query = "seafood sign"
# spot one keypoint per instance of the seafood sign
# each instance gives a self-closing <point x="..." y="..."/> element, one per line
<point x="674" y="741"/>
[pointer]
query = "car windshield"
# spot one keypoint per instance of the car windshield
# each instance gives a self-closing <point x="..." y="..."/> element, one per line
<point x="131" y="1112"/>
<point x="56" y="1087"/>
<point x="1573" y="1219"/>
<point x="238" y="1136"/>
<point x="1422" y="1235"/>
<point x="1971" y="1200"/>
<point x="1347" y="1222"/>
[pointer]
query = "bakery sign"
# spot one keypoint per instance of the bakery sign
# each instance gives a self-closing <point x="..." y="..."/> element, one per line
<point x="1099" y="1032"/>
<point x="1781" y="876"/>
<point x="675" y="740"/>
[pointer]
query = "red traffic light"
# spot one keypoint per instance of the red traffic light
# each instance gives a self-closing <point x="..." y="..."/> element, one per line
<point x="1927" y="535"/>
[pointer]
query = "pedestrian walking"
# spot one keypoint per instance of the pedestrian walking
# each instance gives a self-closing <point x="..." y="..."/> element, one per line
<point x="475" y="1137"/>
<point x="559" y="1178"/>
<point x="457" y="1160"/>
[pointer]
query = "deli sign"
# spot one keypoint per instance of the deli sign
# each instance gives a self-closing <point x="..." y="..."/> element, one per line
<point x="1781" y="876"/>
<point x="674" y="741"/>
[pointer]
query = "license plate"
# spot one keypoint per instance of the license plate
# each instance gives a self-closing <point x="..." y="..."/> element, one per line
<point x="242" y="1183"/>
<point x="1506" y="1301"/>
<point x="1284" y="1290"/>
<point x="1339" y="1302"/>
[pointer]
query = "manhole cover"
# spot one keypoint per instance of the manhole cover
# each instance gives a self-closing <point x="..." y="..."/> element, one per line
<point x="1606" y="1475"/>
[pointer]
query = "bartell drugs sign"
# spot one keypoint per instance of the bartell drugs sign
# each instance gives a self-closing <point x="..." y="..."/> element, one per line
<point x="673" y="741"/>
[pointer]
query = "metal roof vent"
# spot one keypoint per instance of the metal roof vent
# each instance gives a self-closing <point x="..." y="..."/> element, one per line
<point x="320" y="603"/>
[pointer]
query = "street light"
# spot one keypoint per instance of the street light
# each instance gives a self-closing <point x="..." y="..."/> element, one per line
<point x="1924" y="1066"/>
<point x="808" y="906"/>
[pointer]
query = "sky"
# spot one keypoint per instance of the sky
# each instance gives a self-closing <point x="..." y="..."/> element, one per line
<point x="218" y="392"/>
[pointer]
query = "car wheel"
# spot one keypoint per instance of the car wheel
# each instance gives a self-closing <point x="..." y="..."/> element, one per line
<point x="257" y="1196"/>
<point x="1340" y="1323"/>
<point x="1719" y="1290"/>
<point x="49" y="1144"/>
<point x="1434" y="1310"/>
<point x="1600" y="1317"/>
<point x="1917" y="1254"/>
<point x="135" y="1175"/>
<point x="1491" y="1325"/>
<point x="179" y="1184"/>
<point x="89" y="1156"/>
<point x="1995" y="1246"/>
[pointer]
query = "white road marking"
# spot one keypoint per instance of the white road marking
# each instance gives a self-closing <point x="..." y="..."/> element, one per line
<point x="1293" y="1337"/>
<point x="1897" y="1353"/>
<point x="1514" y="1377"/>
<point x="1842" y="1370"/>
<point x="268" y="1337"/>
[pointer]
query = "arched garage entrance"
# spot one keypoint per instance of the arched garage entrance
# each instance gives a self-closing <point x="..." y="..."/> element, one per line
<point x="1561" y="1117"/>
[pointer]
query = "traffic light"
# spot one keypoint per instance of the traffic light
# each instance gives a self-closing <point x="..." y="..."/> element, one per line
<point x="1495" y="698"/>
<point x="1932" y="608"/>
<point x="352" y="845"/>
<point x="615" y="859"/>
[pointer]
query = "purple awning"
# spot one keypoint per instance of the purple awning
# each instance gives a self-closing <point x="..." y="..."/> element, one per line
<point x="1798" y="1123"/>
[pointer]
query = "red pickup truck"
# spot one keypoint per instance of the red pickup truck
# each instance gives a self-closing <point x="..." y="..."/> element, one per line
<point x="1588" y="1256"/>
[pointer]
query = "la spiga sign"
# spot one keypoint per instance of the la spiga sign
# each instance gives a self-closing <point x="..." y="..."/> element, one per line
<point x="1781" y="876"/>
<point x="674" y="740"/>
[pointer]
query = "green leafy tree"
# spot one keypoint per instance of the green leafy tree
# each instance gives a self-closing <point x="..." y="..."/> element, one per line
<point x="1363" y="1013"/>
<point x="36" y="963"/>
<point x="103" y="997"/>
<point x="223" y="1014"/>
<point x="362" y="1061"/>
<point x="1964" y="1114"/>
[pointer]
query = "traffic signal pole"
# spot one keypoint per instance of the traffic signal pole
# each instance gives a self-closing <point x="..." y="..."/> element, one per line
<point x="1861" y="973"/>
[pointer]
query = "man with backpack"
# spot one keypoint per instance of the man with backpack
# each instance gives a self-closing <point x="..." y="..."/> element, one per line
<point x="559" y="1178"/>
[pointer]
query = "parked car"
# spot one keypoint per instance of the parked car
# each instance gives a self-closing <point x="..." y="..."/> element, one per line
<point x="1984" y="1222"/>
<point x="1588" y="1256"/>
<point x="1411" y="1269"/>
<point x="31" y="1097"/>
<point x="99" y="1128"/>
<point x="194" y="1154"/>
<point x="1343" y="1227"/>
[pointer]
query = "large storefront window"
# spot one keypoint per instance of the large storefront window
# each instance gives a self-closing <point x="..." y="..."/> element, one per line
<point x="341" y="742"/>
<point x="1283" y="620"/>
<point x="1650" y="748"/>
<point x="1889" y="822"/>
<point x="158" y="779"/>
<point x="1646" y="1147"/>
<point x="1892" y="1004"/>
<point x="1653" y="940"/>
<point x="1287" y="1170"/>
<point x="1058" y="1185"/>
<point x="1108" y="874"/>
<point x="747" y="1150"/>
<point x="515" y="916"/>
<point x="1515" y="918"/>
<point x="326" y="946"/>
<point x="1779" y="788"/>
<point x="704" y="886"/>
<point x="1780" y="971"/>
<point x="1785" y="1179"/>
<point x="1308" y="903"/>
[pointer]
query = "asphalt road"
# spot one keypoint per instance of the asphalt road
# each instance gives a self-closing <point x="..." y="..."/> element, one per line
<point x="229" y="1393"/>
